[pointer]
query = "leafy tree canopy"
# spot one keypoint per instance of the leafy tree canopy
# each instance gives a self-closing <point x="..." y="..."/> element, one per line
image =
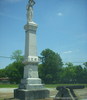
<point x="17" y="55"/>
<point x="69" y="64"/>
<point x="15" y="72"/>
<point x="51" y="63"/>
<point x="85" y="64"/>
<point x="50" y="58"/>
<point x="2" y="73"/>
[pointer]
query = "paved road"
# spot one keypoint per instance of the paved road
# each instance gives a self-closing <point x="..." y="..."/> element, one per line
<point x="81" y="93"/>
<point x="11" y="90"/>
<point x="7" y="90"/>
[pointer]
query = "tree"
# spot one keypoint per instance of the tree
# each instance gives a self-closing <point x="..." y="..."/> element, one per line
<point x="85" y="64"/>
<point x="15" y="72"/>
<point x="68" y="74"/>
<point x="51" y="63"/>
<point x="69" y="64"/>
<point x="85" y="72"/>
<point x="85" y="75"/>
<point x="17" y="56"/>
<point x="2" y="73"/>
<point x="79" y="74"/>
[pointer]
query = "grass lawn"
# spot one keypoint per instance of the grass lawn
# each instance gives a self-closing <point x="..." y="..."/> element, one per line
<point x="47" y="85"/>
<point x="8" y="85"/>
<point x="55" y="85"/>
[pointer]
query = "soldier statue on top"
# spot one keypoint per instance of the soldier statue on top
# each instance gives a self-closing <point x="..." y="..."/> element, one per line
<point x="30" y="10"/>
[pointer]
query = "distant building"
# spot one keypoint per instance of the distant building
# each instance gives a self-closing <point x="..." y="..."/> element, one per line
<point x="4" y="80"/>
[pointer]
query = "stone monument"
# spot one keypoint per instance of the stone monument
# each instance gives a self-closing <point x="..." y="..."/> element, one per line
<point x="30" y="87"/>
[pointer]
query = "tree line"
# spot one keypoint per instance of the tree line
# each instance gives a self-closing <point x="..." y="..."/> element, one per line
<point x="51" y="69"/>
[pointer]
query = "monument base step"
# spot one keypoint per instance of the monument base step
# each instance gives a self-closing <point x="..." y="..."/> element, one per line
<point x="31" y="86"/>
<point x="23" y="94"/>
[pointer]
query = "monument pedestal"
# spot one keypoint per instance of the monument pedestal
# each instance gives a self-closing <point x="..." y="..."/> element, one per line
<point x="23" y="94"/>
<point x="31" y="81"/>
<point x="31" y="87"/>
<point x="31" y="84"/>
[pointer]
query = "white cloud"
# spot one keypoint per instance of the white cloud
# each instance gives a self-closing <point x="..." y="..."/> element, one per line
<point x="60" y="14"/>
<point x="67" y="52"/>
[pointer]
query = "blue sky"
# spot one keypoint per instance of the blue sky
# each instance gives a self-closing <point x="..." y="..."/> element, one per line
<point x="62" y="27"/>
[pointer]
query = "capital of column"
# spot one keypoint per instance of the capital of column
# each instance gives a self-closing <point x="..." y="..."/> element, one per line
<point x="31" y="26"/>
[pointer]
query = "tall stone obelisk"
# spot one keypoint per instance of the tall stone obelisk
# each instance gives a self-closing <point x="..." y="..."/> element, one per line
<point x="30" y="87"/>
<point x="31" y="80"/>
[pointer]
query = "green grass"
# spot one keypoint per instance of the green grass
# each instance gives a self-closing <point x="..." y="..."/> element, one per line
<point x="46" y="85"/>
<point x="8" y="86"/>
<point x="55" y="85"/>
